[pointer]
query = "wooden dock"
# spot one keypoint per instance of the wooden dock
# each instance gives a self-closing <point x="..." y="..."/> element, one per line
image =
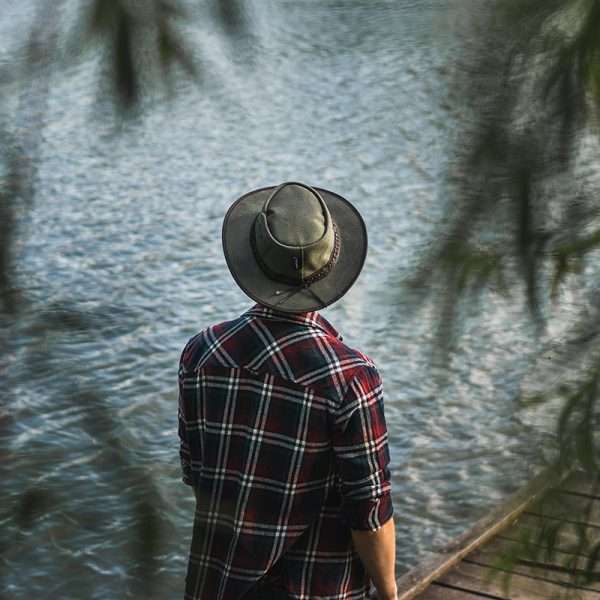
<point x="476" y="566"/>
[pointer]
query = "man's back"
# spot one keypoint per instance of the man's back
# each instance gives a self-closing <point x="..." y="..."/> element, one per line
<point x="283" y="438"/>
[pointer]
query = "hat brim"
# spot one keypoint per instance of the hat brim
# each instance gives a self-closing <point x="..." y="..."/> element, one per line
<point x="239" y="255"/>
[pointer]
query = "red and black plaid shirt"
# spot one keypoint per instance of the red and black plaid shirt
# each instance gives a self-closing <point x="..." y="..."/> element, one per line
<point x="283" y="437"/>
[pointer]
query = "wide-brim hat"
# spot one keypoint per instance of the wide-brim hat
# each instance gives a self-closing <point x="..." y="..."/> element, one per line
<point x="292" y="247"/>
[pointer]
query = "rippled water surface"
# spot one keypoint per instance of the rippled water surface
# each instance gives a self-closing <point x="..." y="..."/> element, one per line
<point x="122" y="263"/>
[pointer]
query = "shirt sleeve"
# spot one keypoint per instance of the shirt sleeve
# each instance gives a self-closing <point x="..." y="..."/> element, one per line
<point x="184" y="447"/>
<point x="360" y="444"/>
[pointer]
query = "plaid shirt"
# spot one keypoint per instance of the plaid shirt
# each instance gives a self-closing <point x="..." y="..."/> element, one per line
<point x="283" y="438"/>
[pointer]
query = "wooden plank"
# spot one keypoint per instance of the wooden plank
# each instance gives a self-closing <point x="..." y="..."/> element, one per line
<point x="564" y="568"/>
<point x="512" y="537"/>
<point x="475" y="578"/>
<point x="574" y="507"/>
<point x="528" y="526"/>
<point x="416" y="580"/>
<point x="437" y="591"/>
<point x="581" y="482"/>
<point x="581" y="519"/>
<point x="501" y="546"/>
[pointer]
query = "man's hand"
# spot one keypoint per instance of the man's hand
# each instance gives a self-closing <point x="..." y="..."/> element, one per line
<point x="373" y="595"/>
<point x="377" y="551"/>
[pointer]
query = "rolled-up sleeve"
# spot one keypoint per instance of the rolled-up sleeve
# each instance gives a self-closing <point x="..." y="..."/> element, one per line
<point x="360" y="444"/>
<point x="184" y="447"/>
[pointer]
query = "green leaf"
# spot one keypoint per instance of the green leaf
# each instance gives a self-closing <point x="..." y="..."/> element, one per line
<point x="584" y="436"/>
<point x="103" y="16"/>
<point x="172" y="51"/>
<point x="533" y="400"/>
<point x="593" y="558"/>
<point x="560" y="271"/>
<point x="32" y="504"/>
<point x="567" y="412"/>
<point x="547" y="536"/>
<point x="170" y="9"/>
<point x="504" y="561"/>
<point x="230" y="14"/>
<point x="584" y="445"/>
<point x="126" y="77"/>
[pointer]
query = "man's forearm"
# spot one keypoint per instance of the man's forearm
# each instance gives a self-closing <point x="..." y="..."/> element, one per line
<point x="377" y="551"/>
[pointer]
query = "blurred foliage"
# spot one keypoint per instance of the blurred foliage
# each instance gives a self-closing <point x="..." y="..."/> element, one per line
<point x="529" y="90"/>
<point x="9" y="191"/>
<point x="142" y="46"/>
<point x="126" y="32"/>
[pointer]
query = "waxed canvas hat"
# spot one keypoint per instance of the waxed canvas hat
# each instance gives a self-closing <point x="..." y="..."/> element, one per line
<point x="293" y="247"/>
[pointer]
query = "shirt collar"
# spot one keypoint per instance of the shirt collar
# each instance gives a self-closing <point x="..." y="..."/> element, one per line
<point x="309" y="319"/>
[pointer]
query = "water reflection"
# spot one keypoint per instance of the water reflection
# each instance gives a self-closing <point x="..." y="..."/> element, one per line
<point x="123" y="264"/>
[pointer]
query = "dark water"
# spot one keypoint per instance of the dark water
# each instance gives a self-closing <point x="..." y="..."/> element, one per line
<point x="122" y="264"/>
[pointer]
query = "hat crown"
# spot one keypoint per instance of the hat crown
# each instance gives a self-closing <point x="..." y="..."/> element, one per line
<point x="294" y="239"/>
<point x="296" y="216"/>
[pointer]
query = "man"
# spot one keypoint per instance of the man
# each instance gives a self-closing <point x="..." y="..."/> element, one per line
<point x="282" y="427"/>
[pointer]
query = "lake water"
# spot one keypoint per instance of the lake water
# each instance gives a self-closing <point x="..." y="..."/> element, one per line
<point x="122" y="263"/>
